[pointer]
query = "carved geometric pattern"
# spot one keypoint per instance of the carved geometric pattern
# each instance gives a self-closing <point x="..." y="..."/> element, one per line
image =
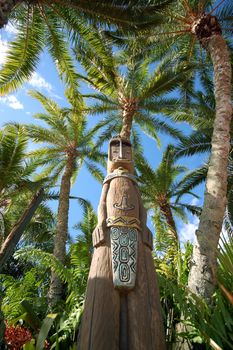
<point x="125" y="221"/>
<point x="124" y="245"/>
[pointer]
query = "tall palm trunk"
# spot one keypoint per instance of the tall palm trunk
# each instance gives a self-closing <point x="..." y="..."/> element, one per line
<point x="166" y="210"/>
<point x="129" y="108"/>
<point x="127" y="125"/>
<point x="202" y="277"/>
<point x="59" y="251"/>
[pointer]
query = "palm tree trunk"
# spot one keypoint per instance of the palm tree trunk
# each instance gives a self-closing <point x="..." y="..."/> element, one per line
<point x="6" y="6"/>
<point x="129" y="108"/>
<point x="59" y="251"/>
<point x="126" y="125"/>
<point x="202" y="277"/>
<point x="166" y="210"/>
<point x="14" y="236"/>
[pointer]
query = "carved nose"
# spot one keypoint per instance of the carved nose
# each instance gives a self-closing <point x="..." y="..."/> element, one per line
<point x="121" y="156"/>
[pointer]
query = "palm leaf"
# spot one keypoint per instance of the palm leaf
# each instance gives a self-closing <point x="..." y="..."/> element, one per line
<point x="197" y="142"/>
<point x="23" y="54"/>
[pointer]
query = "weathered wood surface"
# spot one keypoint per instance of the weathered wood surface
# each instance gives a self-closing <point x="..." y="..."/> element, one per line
<point x="100" y="323"/>
<point x="144" y="315"/>
<point x="118" y="187"/>
<point x="114" y="319"/>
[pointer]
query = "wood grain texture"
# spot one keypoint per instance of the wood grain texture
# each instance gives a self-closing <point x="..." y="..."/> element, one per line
<point x="117" y="188"/>
<point x="102" y="327"/>
<point x="144" y="310"/>
<point x="100" y="323"/>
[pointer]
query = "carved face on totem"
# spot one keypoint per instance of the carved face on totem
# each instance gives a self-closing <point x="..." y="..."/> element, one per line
<point x="120" y="155"/>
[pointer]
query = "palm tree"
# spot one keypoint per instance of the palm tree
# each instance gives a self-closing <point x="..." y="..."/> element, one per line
<point x="19" y="232"/>
<point x="195" y="18"/>
<point x="126" y="89"/>
<point x="162" y="192"/>
<point x="15" y="167"/>
<point x="16" y="186"/>
<point x="199" y="112"/>
<point x="17" y="192"/>
<point x="66" y="146"/>
<point x="37" y="262"/>
<point x="116" y="11"/>
<point x="13" y="237"/>
<point x="53" y="25"/>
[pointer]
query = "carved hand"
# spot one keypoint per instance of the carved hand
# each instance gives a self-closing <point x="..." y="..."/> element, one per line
<point x="98" y="236"/>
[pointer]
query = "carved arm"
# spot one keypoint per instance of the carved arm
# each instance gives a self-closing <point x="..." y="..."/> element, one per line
<point x="100" y="231"/>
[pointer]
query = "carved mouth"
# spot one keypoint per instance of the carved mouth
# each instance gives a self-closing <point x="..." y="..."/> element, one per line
<point x="120" y="160"/>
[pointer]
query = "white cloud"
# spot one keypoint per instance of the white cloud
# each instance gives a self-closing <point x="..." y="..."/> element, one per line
<point x="187" y="231"/>
<point x="10" y="28"/>
<point x="224" y="237"/>
<point x="37" y="81"/>
<point x="194" y="201"/>
<point x="11" y="101"/>
<point x="3" y="50"/>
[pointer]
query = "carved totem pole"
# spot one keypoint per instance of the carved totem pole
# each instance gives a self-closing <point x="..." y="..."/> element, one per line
<point x="122" y="308"/>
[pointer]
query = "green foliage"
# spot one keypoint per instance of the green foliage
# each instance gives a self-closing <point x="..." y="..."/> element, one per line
<point x="81" y="251"/>
<point x="225" y="270"/>
<point x="176" y="36"/>
<point x="16" y="168"/>
<point x="44" y="330"/>
<point x="30" y="302"/>
<point x="120" y="78"/>
<point x="31" y="286"/>
<point x="44" y="24"/>
<point x="146" y="73"/>
<point x="17" y="189"/>
<point x="162" y="193"/>
<point x="74" y="276"/>
<point x="12" y="153"/>
<point x="204" y="323"/>
<point x="66" y="134"/>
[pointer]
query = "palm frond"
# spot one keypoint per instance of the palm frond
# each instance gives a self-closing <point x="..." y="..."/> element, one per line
<point x="95" y="171"/>
<point x="57" y="46"/>
<point x="23" y="53"/>
<point x="191" y="180"/>
<point x="197" y="142"/>
<point x="165" y="81"/>
<point x="153" y="125"/>
<point x="49" y="105"/>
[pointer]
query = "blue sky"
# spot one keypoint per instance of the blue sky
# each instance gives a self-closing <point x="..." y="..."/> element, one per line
<point x="20" y="107"/>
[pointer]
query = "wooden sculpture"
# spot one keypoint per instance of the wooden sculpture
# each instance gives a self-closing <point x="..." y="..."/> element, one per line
<point x="122" y="308"/>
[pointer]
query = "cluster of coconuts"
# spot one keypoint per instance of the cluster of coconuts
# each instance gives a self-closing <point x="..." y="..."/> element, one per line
<point x="205" y="26"/>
